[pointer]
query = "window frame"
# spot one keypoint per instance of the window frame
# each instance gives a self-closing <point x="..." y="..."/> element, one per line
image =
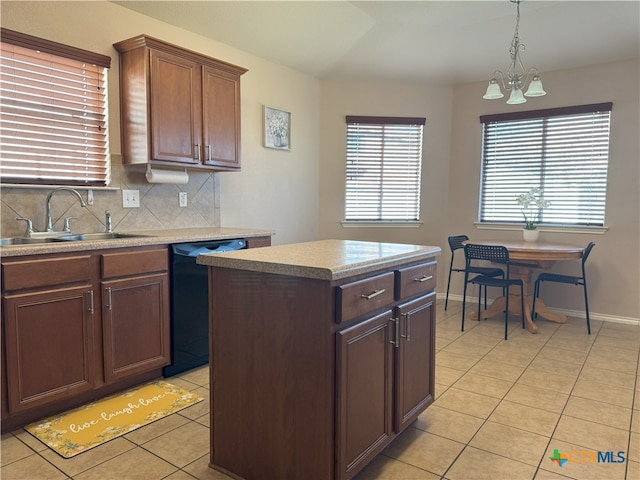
<point x="65" y="52"/>
<point x="376" y="126"/>
<point x="544" y="115"/>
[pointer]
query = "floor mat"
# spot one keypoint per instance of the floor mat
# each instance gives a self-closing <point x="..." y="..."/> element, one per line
<point x="86" y="427"/>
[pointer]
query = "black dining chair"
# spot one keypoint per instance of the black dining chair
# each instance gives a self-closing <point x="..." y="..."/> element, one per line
<point x="568" y="279"/>
<point x="456" y="242"/>
<point x="496" y="254"/>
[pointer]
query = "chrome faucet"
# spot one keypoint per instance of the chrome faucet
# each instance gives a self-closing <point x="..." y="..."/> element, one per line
<point x="49" y="227"/>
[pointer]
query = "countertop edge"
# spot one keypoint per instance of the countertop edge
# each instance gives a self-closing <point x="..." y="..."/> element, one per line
<point x="150" y="238"/>
<point x="319" y="272"/>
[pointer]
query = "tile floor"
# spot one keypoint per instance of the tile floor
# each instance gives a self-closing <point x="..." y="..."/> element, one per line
<point x="502" y="408"/>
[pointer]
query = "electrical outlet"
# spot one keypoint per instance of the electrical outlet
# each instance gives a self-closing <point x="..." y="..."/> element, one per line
<point x="130" y="198"/>
<point x="183" y="199"/>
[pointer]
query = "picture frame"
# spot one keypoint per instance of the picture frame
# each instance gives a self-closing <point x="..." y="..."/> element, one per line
<point x="277" y="128"/>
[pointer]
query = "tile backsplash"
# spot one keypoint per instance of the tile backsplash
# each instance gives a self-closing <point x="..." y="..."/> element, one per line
<point x="159" y="205"/>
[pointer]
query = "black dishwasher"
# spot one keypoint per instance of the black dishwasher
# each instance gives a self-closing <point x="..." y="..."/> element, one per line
<point x="190" y="304"/>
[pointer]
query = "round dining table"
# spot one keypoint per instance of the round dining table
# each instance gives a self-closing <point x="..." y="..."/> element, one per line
<point x="525" y="258"/>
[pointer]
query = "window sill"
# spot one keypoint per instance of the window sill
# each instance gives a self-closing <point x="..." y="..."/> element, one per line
<point x="383" y="224"/>
<point x="543" y="228"/>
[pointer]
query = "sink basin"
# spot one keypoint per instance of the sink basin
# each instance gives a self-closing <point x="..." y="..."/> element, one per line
<point x="83" y="237"/>
<point x="98" y="236"/>
<point x="27" y="241"/>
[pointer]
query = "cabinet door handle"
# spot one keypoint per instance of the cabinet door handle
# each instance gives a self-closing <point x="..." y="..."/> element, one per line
<point x="208" y="148"/>
<point x="407" y="328"/>
<point x="197" y="145"/>
<point x="396" y="340"/>
<point x="374" y="294"/>
<point x="424" y="278"/>
<point x="108" y="305"/>
<point x="91" y="302"/>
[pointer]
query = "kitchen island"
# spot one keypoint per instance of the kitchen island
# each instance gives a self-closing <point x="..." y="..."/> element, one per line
<point x="321" y="354"/>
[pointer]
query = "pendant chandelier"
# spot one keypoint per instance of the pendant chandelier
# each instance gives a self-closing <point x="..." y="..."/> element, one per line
<point x="516" y="76"/>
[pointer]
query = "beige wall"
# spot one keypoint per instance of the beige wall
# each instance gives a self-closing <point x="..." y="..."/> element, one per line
<point x="432" y="102"/>
<point x="260" y="196"/>
<point x="614" y="264"/>
<point x="451" y="175"/>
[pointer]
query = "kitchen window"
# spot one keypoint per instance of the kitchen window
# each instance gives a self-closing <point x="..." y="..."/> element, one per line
<point x="563" y="151"/>
<point x="383" y="169"/>
<point x="53" y="129"/>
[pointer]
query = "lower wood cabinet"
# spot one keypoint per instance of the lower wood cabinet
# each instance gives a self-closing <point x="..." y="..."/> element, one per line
<point x="311" y="379"/>
<point x="135" y="312"/>
<point x="365" y="412"/>
<point x="75" y="324"/>
<point x="385" y="380"/>
<point x="49" y="341"/>
<point x="134" y="326"/>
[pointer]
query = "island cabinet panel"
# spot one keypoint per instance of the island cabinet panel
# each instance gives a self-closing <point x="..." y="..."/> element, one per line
<point x="364" y="410"/>
<point x="272" y="375"/>
<point x="415" y="367"/>
<point x="312" y="378"/>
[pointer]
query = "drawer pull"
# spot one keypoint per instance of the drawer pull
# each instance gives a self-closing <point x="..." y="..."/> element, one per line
<point x="374" y="294"/>
<point x="424" y="278"/>
<point x="197" y="151"/>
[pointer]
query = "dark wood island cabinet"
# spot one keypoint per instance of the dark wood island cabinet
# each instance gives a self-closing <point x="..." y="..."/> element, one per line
<point x="322" y="353"/>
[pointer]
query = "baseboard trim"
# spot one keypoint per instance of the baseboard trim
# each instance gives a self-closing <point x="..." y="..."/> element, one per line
<point x="570" y="313"/>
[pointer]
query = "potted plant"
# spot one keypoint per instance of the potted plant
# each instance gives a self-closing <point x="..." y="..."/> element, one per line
<point x="531" y="203"/>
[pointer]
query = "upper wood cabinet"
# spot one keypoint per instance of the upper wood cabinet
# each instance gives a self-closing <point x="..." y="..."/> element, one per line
<point x="178" y="108"/>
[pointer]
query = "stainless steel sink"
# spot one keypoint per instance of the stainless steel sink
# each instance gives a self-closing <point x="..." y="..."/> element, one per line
<point x="83" y="237"/>
<point x="27" y="241"/>
<point x="98" y="236"/>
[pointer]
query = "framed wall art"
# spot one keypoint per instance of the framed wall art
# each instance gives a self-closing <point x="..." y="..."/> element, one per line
<point x="277" y="128"/>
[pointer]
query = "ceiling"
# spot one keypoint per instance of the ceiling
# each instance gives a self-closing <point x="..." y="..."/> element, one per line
<point x="441" y="42"/>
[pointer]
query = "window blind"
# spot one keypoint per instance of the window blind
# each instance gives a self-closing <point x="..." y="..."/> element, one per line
<point x="53" y="128"/>
<point x="562" y="151"/>
<point x="383" y="168"/>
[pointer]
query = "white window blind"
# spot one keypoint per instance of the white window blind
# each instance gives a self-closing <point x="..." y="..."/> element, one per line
<point x="563" y="151"/>
<point x="53" y="98"/>
<point x="384" y="162"/>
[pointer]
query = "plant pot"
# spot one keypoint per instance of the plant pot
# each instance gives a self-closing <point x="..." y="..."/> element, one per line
<point x="530" y="235"/>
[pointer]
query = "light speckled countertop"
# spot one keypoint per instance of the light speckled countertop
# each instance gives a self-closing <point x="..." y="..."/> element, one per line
<point x="323" y="259"/>
<point x="152" y="237"/>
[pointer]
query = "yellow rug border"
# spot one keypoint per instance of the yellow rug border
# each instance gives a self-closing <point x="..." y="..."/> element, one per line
<point x="48" y="431"/>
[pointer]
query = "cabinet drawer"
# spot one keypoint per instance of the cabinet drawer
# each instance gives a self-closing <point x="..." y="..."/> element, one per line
<point x="414" y="280"/>
<point x="358" y="298"/>
<point x="41" y="273"/>
<point x="134" y="263"/>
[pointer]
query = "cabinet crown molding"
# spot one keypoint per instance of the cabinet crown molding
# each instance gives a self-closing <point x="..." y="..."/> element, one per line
<point x="151" y="42"/>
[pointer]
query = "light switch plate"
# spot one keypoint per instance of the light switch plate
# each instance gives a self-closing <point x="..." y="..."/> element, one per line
<point x="183" y="199"/>
<point x="130" y="198"/>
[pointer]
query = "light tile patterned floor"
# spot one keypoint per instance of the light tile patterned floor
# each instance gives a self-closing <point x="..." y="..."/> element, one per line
<point x="502" y="409"/>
